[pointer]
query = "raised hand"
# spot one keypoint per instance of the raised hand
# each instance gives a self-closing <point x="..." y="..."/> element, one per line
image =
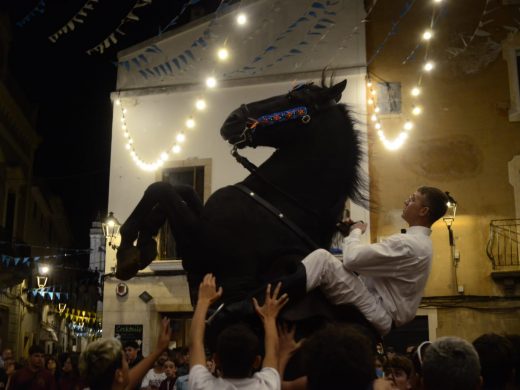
<point x="208" y="289"/>
<point x="273" y="303"/>
<point x="163" y="341"/>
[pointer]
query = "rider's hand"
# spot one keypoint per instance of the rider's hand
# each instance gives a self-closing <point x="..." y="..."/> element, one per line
<point x="359" y="225"/>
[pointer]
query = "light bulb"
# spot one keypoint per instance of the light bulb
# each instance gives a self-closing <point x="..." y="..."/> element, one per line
<point x="241" y="19"/>
<point x="190" y="123"/>
<point x="128" y="146"/>
<point x="200" y="104"/>
<point x="416" y="91"/>
<point x="416" y="110"/>
<point x="211" y="82"/>
<point x="377" y="109"/>
<point x="126" y="134"/>
<point x="164" y="156"/>
<point x="223" y="54"/>
<point x="118" y="102"/>
<point x="373" y="118"/>
<point x="381" y="134"/>
<point x="176" y="149"/>
<point x="428" y="66"/>
<point x="378" y="125"/>
<point x="369" y="84"/>
<point x="125" y="110"/>
<point x="180" y="137"/>
<point x="370" y="101"/>
<point x="408" y="125"/>
<point x="427" y="35"/>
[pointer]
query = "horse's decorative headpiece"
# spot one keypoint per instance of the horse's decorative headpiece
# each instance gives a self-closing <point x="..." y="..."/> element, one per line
<point x="300" y="104"/>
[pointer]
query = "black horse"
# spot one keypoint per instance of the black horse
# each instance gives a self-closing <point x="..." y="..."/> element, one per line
<point x="260" y="229"/>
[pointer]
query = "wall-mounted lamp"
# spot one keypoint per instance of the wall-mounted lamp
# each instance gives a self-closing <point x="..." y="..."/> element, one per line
<point x="449" y="217"/>
<point x="111" y="229"/>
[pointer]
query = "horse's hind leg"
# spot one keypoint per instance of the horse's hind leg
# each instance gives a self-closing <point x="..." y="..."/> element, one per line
<point x="160" y="201"/>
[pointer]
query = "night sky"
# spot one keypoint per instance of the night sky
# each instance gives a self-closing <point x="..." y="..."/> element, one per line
<point x="71" y="90"/>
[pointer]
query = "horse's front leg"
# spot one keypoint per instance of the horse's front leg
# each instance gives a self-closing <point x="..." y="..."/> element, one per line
<point x="161" y="201"/>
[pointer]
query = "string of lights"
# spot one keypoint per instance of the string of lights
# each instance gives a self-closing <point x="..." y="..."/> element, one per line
<point x="200" y="105"/>
<point x="415" y="92"/>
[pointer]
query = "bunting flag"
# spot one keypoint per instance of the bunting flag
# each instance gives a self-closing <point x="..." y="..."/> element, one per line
<point x="112" y="38"/>
<point x="479" y="30"/>
<point x="187" y="56"/>
<point x="393" y="31"/>
<point x="78" y="18"/>
<point x="39" y="9"/>
<point x="67" y="251"/>
<point x="174" y="21"/>
<point x="319" y="15"/>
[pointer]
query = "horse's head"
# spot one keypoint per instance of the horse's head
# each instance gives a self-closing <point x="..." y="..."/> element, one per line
<point x="259" y="123"/>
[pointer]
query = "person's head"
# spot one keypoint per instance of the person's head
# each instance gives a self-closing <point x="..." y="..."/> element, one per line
<point x="7" y="353"/>
<point x="103" y="365"/>
<point x="36" y="357"/>
<point x="450" y="363"/>
<point x="50" y="363"/>
<point x="169" y="369"/>
<point x="69" y="363"/>
<point x="131" y="350"/>
<point x="425" y="206"/>
<point x="497" y="360"/>
<point x="237" y="352"/>
<point x="10" y="366"/>
<point x="399" y="370"/>
<point x="379" y="364"/>
<point x="514" y="339"/>
<point x="338" y="354"/>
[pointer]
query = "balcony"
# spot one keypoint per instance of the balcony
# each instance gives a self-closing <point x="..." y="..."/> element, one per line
<point x="503" y="251"/>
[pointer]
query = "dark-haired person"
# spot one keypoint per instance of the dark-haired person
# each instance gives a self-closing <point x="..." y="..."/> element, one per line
<point x="237" y="346"/>
<point x="104" y="366"/>
<point x="384" y="280"/>
<point x="497" y="361"/>
<point x="34" y="376"/>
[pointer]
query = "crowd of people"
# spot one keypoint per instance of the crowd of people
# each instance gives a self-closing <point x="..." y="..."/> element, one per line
<point x="339" y="356"/>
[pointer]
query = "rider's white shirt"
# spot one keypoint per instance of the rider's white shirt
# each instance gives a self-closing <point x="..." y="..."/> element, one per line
<point x="396" y="269"/>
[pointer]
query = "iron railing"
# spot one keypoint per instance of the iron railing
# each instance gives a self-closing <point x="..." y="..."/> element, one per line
<point x="503" y="244"/>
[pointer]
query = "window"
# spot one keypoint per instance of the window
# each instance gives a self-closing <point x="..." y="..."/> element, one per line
<point x="511" y="53"/>
<point x="195" y="173"/>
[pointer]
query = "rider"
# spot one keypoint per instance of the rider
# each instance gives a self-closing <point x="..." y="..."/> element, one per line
<point x="385" y="280"/>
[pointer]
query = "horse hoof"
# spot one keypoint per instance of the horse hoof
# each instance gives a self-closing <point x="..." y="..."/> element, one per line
<point x="127" y="262"/>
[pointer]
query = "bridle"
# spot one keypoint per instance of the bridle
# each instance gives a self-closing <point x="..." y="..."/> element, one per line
<point x="299" y="112"/>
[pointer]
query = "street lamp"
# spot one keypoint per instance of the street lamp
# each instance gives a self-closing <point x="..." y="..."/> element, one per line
<point x="111" y="229"/>
<point x="448" y="219"/>
<point x="41" y="278"/>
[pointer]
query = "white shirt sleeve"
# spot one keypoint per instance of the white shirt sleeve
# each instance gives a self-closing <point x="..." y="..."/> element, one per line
<point x="379" y="259"/>
<point x="146" y="379"/>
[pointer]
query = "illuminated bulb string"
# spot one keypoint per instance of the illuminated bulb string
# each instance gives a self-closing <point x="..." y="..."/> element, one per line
<point x="180" y="138"/>
<point x="415" y="92"/>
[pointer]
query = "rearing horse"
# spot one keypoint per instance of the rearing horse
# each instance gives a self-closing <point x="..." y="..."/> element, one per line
<point x="261" y="228"/>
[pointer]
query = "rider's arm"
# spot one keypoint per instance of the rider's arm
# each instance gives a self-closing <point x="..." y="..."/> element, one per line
<point x="379" y="259"/>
